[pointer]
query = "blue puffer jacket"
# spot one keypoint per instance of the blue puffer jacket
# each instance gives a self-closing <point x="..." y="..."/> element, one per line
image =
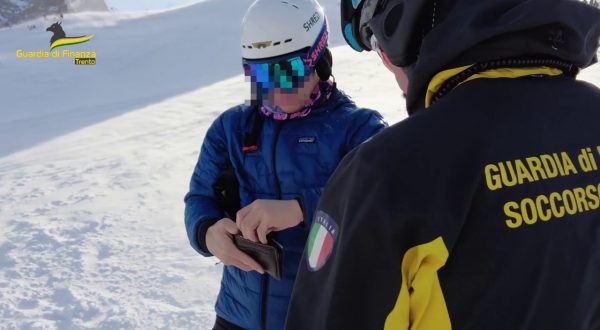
<point x="295" y="158"/>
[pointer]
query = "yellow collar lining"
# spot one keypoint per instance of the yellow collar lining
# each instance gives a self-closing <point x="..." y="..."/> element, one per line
<point x="440" y="78"/>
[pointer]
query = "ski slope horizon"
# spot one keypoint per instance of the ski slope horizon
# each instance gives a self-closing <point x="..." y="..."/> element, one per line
<point x="91" y="190"/>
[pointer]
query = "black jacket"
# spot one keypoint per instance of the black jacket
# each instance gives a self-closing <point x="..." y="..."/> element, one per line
<point x="481" y="211"/>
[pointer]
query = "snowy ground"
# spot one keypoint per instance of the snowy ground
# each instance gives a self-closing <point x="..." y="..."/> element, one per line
<point x="91" y="191"/>
<point x="92" y="222"/>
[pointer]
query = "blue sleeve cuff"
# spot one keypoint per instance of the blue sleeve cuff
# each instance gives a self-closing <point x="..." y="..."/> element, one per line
<point x="309" y="201"/>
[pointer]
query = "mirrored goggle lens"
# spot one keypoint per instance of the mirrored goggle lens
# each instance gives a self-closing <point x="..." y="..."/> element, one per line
<point x="280" y="74"/>
<point x="356" y="16"/>
<point x="350" y="15"/>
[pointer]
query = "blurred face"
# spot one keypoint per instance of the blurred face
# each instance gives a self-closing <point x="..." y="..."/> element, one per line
<point x="285" y="82"/>
<point x="294" y="99"/>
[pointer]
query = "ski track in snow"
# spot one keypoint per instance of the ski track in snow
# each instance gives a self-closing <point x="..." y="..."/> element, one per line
<point x="92" y="221"/>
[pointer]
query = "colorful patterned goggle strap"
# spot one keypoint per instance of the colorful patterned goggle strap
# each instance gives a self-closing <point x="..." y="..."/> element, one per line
<point x="287" y="71"/>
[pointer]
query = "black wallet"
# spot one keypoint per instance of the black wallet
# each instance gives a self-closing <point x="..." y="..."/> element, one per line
<point x="269" y="256"/>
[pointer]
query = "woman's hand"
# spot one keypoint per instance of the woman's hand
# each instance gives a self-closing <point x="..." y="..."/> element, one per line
<point x="265" y="215"/>
<point x="219" y="242"/>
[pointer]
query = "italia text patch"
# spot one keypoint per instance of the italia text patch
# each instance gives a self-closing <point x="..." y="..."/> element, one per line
<point x="322" y="236"/>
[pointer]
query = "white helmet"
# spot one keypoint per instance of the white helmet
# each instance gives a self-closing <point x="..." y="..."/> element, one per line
<point x="276" y="27"/>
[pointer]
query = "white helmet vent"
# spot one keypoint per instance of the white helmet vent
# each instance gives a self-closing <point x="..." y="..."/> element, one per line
<point x="265" y="44"/>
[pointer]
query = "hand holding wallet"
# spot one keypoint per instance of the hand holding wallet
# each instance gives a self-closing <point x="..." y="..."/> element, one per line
<point x="269" y="256"/>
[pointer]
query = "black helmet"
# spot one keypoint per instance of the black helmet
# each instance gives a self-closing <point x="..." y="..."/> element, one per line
<point x="398" y="25"/>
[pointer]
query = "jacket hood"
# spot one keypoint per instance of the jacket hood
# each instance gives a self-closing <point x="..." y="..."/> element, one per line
<point x="471" y="31"/>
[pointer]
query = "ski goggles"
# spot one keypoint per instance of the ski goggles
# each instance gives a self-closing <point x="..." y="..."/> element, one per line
<point x="285" y="72"/>
<point x="356" y="15"/>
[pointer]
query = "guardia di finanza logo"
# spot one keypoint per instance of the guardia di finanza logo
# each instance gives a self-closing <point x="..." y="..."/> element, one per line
<point x="60" y="39"/>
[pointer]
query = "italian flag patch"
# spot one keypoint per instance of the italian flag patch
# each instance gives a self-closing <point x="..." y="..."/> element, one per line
<point x="320" y="240"/>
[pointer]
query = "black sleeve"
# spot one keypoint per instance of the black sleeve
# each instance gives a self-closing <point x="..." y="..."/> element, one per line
<point x="385" y="250"/>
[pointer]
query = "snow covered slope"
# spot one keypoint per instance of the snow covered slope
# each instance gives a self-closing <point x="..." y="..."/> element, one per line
<point x="95" y="161"/>
<point x="92" y="221"/>
<point x="16" y="11"/>
<point x="141" y="59"/>
<point x="86" y="5"/>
